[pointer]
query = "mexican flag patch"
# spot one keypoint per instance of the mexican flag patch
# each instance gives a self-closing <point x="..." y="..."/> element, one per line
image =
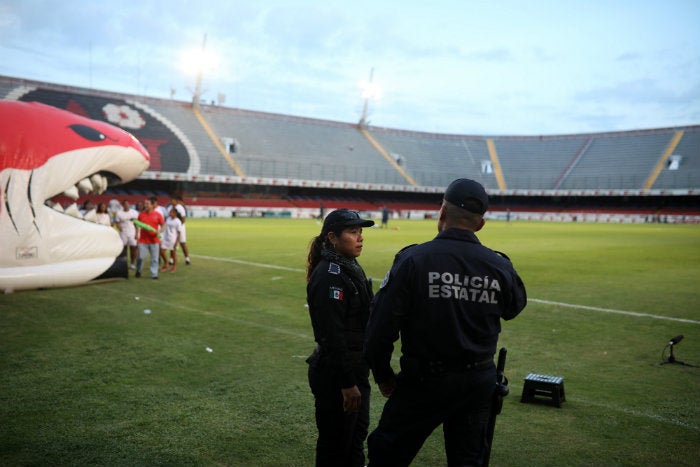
<point x="335" y="293"/>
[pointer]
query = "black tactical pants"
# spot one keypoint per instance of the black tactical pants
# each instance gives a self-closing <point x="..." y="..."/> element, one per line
<point x="341" y="435"/>
<point x="460" y="401"/>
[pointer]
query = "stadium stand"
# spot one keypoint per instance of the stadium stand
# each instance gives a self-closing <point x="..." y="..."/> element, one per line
<point x="618" y="161"/>
<point x="687" y="172"/>
<point x="280" y="146"/>
<point x="536" y="163"/>
<point x="432" y="159"/>
<point x="227" y="161"/>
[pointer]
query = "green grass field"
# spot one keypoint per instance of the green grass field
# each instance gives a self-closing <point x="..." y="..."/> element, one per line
<point x="88" y="378"/>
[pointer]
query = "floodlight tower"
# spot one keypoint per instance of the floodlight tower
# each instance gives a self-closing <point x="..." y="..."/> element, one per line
<point x="367" y="92"/>
<point x="198" y="87"/>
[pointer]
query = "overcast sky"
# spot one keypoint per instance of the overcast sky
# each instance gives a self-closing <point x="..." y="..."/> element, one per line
<point x="464" y="67"/>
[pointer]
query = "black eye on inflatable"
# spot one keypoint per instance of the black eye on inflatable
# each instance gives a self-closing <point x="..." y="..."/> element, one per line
<point x="88" y="132"/>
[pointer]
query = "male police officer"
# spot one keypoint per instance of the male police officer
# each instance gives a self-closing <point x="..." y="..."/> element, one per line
<point x="446" y="298"/>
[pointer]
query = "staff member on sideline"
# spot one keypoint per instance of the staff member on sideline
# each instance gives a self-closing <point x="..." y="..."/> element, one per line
<point x="179" y="204"/>
<point x="149" y="243"/>
<point x="446" y="298"/>
<point x="338" y="294"/>
<point x="127" y="231"/>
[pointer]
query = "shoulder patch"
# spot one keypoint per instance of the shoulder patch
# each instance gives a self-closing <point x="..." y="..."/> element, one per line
<point x="334" y="268"/>
<point x="385" y="281"/>
<point x="335" y="293"/>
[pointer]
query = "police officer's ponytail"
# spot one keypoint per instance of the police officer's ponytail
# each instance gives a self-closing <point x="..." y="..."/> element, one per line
<point x="317" y="244"/>
<point x="314" y="257"/>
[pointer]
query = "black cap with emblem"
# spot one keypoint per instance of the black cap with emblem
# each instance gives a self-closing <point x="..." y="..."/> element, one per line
<point x="343" y="218"/>
<point x="468" y="194"/>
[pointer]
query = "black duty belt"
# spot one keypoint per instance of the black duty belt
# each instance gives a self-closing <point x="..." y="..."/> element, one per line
<point x="440" y="366"/>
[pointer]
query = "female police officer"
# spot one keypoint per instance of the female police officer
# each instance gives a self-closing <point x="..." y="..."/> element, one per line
<point x="338" y="295"/>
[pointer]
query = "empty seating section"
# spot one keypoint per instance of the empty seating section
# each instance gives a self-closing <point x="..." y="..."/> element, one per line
<point x="535" y="162"/>
<point x="7" y="87"/>
<point x="436" y="160"/>
<point x="688" y="173"/>
<point x="278" y="146"/>
<point x="618" y="161"/>
<point x="181" y="115"/>
<point x="291" y="147"/>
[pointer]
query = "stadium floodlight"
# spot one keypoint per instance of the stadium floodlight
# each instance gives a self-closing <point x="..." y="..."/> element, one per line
<point x="369" y="90"/>
<point x="196" y="62"/>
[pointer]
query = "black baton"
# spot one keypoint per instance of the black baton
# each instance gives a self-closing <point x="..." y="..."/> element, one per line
<point x="500" y="391"/>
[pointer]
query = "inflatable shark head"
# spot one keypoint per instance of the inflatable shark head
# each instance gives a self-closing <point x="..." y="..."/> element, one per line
<point x="44" y="152"/>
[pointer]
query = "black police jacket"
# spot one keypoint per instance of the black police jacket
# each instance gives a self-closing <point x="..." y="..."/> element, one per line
<point x="446" y="298"/>
<point x="339" y="310"/>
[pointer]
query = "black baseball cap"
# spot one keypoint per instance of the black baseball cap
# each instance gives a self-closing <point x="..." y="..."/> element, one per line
<point x="344" y="218"/>
<point x="468" y="194"/>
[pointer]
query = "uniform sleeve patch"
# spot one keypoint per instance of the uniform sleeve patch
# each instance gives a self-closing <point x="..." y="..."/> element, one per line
<point x="336" y="293"/>
<point x="385" y="281"/>
<point x="334" y="268"/>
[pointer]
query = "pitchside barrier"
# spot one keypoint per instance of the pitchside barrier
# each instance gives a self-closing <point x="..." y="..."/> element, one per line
<point x="306" y="213"/>
<point x="246" y="207"/>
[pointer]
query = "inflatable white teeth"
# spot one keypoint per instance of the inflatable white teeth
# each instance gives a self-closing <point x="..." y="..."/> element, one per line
<point x="73" y="210"/>
<point x="91" y="215"/>
<point x="72" y="193"/>
<point x="85" y="186"/>
<point x="99" y="183"/>
<point x="46" y="151"/>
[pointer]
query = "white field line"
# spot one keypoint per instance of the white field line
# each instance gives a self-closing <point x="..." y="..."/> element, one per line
<point x="608" y="310"/>
<point x="171" y="305"/>
<point x="535" y="300"/>
<point x="635" y="413"/>
<point x="287" y="332"/>
<point x="231" y="318"/>
<point x="249" y="263"/>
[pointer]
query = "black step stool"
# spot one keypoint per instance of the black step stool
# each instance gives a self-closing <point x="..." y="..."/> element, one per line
<point x="536" y="387"/>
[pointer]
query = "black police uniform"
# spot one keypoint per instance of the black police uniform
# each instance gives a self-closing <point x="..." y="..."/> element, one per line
<point x="446" y="298"/>
<point x="338" y="295"/>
